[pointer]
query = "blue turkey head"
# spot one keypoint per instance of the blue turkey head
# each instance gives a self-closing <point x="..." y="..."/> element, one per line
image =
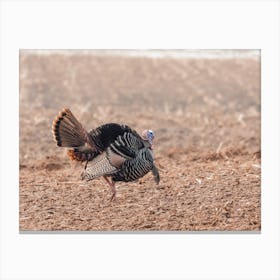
<point x="149" y="136"/>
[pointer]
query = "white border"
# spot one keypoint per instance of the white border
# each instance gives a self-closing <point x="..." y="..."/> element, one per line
<point x="140" y="25"/>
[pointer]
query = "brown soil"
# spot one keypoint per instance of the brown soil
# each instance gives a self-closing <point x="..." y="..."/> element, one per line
<point x="206" y="116"/>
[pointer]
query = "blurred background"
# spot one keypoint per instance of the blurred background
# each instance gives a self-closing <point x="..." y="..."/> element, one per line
<point x="204" y="106"/>
<point x="155" y="89"/>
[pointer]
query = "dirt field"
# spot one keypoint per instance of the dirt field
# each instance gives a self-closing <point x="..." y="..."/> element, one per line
<point x="206" y="116"/>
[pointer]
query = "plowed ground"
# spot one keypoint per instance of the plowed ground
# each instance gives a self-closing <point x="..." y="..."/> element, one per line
<point x="206" y="116"/>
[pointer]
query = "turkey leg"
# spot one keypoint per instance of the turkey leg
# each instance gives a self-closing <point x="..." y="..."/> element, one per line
<point x="112" y="186"/>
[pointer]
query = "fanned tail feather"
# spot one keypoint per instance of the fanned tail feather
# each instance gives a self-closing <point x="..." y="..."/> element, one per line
<point x="68" y="131"/>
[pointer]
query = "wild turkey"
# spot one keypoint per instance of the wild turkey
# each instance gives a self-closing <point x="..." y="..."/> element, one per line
<point x="113" y="151"/>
